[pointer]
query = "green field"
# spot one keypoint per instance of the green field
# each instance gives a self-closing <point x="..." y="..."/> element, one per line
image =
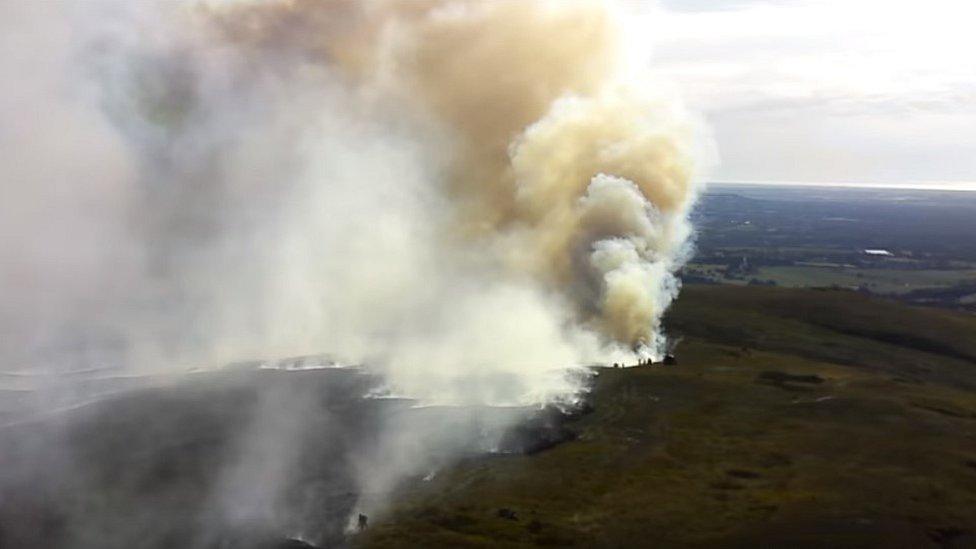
<point x="794" y="418"/>
<point x="886" y="281"/>
<point x="879" y="281"/>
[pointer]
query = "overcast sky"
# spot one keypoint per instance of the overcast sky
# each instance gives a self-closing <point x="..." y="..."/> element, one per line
<point x="828" y="90"/>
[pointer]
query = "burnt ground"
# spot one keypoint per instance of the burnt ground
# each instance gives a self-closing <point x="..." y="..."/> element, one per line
<point x="239" y="458"/>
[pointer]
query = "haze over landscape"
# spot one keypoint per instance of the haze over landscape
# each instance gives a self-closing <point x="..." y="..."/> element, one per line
<point x="475" y="273"/>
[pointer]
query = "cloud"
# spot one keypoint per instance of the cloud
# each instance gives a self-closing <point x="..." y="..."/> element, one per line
<point x="847" y="79"/>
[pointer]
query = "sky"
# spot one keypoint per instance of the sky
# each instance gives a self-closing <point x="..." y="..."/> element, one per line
<point x="852" y="91"/>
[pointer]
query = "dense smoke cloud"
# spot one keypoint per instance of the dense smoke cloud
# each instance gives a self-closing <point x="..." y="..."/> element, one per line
<point x="536" y="101"/>
<point x="447" y="190"/>
<point x="468" y="197"/>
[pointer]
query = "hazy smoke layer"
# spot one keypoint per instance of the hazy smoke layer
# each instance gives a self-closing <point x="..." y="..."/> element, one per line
<point x="463" y="194"/>
<point x="468" y="197"/>
<point x="538" y="108"/>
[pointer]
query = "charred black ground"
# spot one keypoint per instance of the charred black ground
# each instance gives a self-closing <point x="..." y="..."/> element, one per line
<point x="166" y="466"/>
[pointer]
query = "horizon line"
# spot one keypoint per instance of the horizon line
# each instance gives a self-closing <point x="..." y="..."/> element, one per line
<point x="965" y="186"/>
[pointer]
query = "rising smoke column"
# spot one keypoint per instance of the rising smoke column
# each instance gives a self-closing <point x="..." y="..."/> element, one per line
<point x="466" y="196"/>
<point x="562" y="168"/>
<point x="462" y="194"/>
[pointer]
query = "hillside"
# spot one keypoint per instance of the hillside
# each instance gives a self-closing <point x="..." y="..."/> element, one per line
<point x="793" y="418"/>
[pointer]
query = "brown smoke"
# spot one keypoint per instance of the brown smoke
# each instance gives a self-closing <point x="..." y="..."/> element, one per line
<point x="561" y="169"/>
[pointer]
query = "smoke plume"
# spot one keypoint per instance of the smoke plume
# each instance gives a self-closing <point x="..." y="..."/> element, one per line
<point x="561" y="170"/>
<point x="444" y="189"/>
<point x="468" y="197"/>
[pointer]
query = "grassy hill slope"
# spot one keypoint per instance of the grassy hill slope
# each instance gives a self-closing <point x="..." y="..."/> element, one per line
<point x="793" y="418"/>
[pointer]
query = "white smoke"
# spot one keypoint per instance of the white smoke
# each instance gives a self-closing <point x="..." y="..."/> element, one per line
<point x="471" y="198"/>
<point x="177" y="197"/>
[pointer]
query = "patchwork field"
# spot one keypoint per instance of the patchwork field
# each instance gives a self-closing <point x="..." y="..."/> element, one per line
<point x="879" y="281"/>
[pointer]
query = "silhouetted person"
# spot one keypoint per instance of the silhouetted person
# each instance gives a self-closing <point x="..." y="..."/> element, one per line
<point x="363" y="521"/>
<point x="507" y="514"/>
